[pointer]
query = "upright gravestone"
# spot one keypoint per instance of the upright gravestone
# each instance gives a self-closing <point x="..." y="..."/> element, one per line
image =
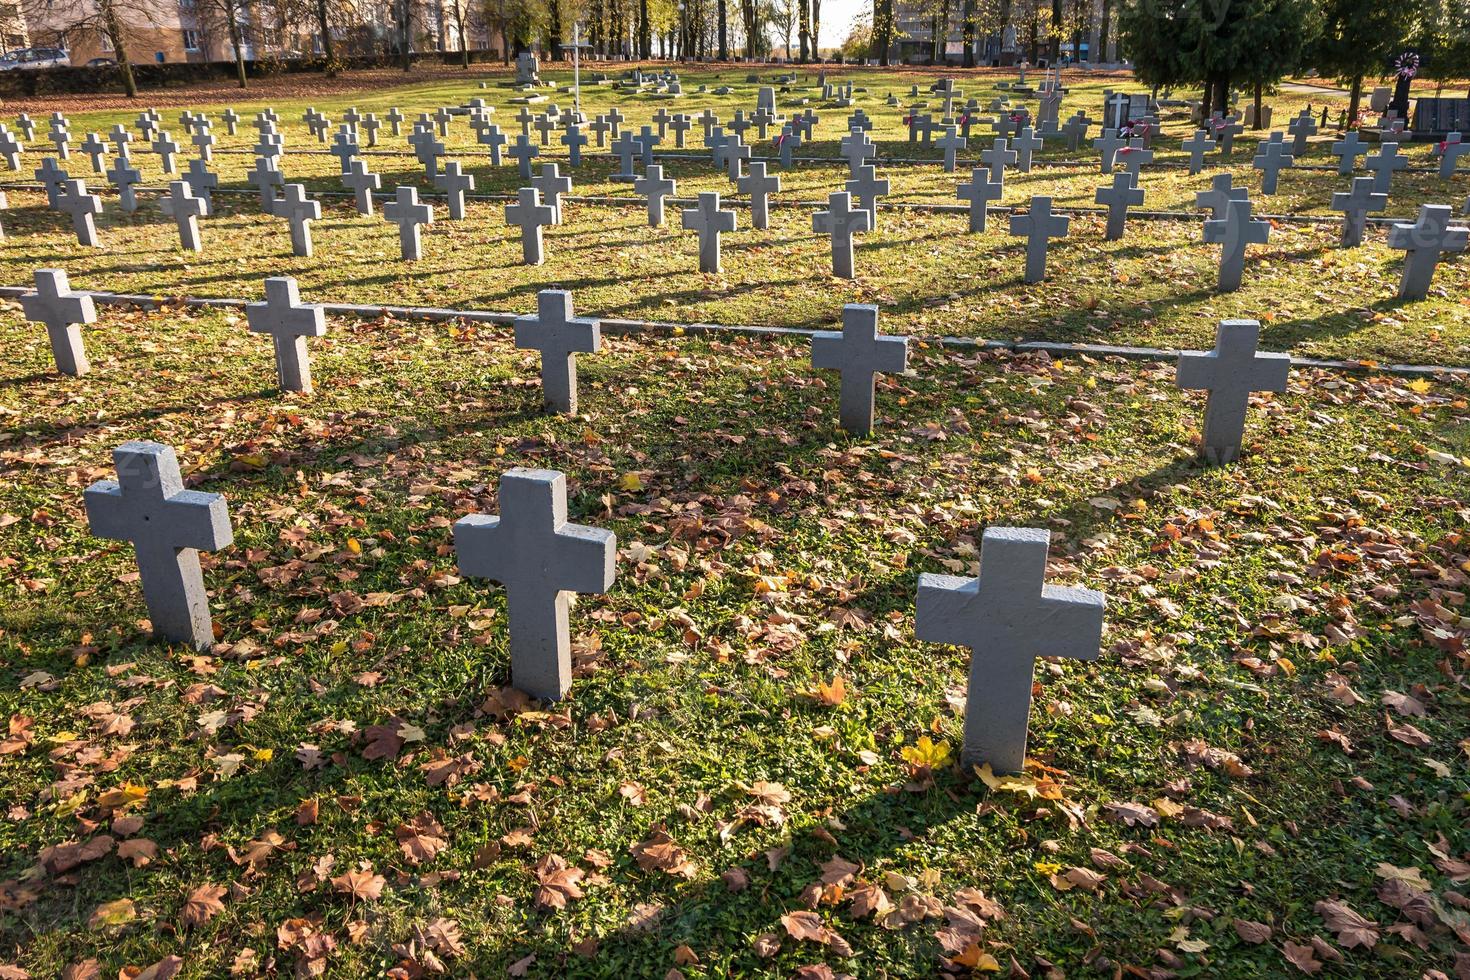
<point x="999" y="156"/>
<point x="408" y="214"/>
<point x="1007" y="616"/>
<point x="1383" y="164"/>
<point x="1302" y="125"/>
<point x="181" y="205"/>
<point x="124" y="178"/>
<point x="866" y="188"/>
<point x="560" y="337"/>
<point x="288" y="322"/>
<point x="1271" y="158"/>
<point x="539" y="557"/>
<point x="168" y="527"/>
<point x="1347" y="150"/>
<point x="74" y="200"/>
<point x="1233" y="233"/>
<point x="362" y="182"/>
<point x="841" y="222"/>
<point x="1355" y="205"/>
<point x="709" y="221"/>
<point x="552" y="186"/>
<point x="1197" y="146"/>
<point x="299" y="211"/>
<point x="1123" y="193"/>
<point x="1039" y="226"/>
<point x="979" y="191"/>
<point x="454" y="182"/>
<point x="760" y="187"/>
<point x="654" y="186"/>
<point x="1230" y="372"/>
<point x="63" y="312"/>
<point x="530" y="215"/>
<point x="1422" y="243"/>
<point x="859" y="354"/>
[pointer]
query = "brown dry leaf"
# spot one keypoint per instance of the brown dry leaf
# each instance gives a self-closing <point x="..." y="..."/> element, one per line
<point x="88" y="969"/>
<point x="831" y="694"/>
<point x="1404" y="704"/>
<point x="162" y="970"/>
<point x="306" y="813"/>
<point x="868" y="900"/>
<point x="810" y="927"/>
<point x="735" y="879"/>
<point x="660" y="853"/>
<point x="632" y="792"/>
<point x="766" y="945"/>
<point x="422" y="839"/>
<point x="1351" y="928"/>
<point x="839" y="871"/>
<point x="1252" y="932"/>
<point x="1407" y="734"/>
<point x="1301" y="957"/>
<point x="557" y="882"/>
<point x="362" y="885"/>
<point x="1131" y="814"/>
<point x="203" y="904"/>
<point x="684" y="956"/>
<point x="140" y="850"/>
<point x="521" y="967"/>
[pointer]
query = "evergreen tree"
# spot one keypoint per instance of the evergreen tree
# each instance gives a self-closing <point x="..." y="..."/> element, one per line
<point x="1358" y="38"/>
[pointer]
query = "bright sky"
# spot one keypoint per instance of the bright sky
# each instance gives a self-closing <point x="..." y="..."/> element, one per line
<point x="837" y="17"/>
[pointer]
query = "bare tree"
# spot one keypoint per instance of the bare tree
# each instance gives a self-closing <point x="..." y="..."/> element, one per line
<point x="229" y="17"/>
<point x="119" y="21"/>
<point x="783" y="18"/>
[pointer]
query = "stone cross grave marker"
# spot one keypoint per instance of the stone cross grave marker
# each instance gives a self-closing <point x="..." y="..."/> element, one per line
<point x="530" y="215"/>
<point x="1383" y="164"/>
<point x="369" y="125"/>
<point x="1039" y="226"/>
<point x="204" y="142"/>
<point x="1422" y="243"/>
<point x="1133" y="157"/>
<point x="736" y="153"/>
<point x="859" y="354"/>
<point x="856" y="148"/>
<point x="654" y="186"/>
<point x="1271" y="158"/>
<point x="1025" y="144"/>
<point x="266" y="177"/>
<point x="787" y="142"/>
<point x="96" y="150"/>
<point x="122" y="141"/>
<point x="26" y="125"/>
<point x="552" y="186"/>
<point x="63" y="312"/>
<point x="50" y="176"/>
<point x="202" y="184"/>
<point x="1007" y="616"/>
<point x="362" y="182"/>
<point x="539" y="557"/>
<point x="394" y="119"/>
<point x="124" y="177"/>
<point x="951" y="143"/>
<point x="1233" y="232"/>
<point x="1300" y="127"/>
<point x="709" y="221"/>
<point x="647" y="139"/>
<point x="1219" y="196"/>
<point x="61" y="136"/>
<point x="408" y="214"/>
<point x="1197" y="146"/>
<point x="288" y="322"/>
<point x="74" y="200"/>
<point x="1355" y="205"/>
<point x="10" y="148"/>
<point x="168" y="527"/>
<point x="1118" y="198"/>
<point x="186" y="209"/>
<point x="299" y="211"/>
<point x="573" y="140"/>
<point x="1450" y="151"/>
<point x="427" y="150"/>
<point x="344" y="147"/>
<point x="492" y="137"/>
<point x="1230" y="373"/>
<point x="626" y="147"/>
<point x="999" y="156"/>
<point x="454" y="182"/>
<point x="760" y="187"/>
<point x="560" y="337"/>
<point x="1108" y="145"/>
<point x="979" y="191"/>
<point x="1226" y="129"/>
<point x="866" y="188"/>
<point x="841" y="222"/>
<point x="231" y="119"/>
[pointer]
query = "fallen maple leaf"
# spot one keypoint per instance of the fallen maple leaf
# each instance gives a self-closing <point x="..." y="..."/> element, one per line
<point x="203" y="904"/>
<point x="360" y="884"/>
<point x="1251" y="932"/>
<point x="422" y="839"/>
<point x="557" y="882"/>
<point x="1351" y="928"/>
<point x="1301" y="957"/>
<point x="660" y="853"/>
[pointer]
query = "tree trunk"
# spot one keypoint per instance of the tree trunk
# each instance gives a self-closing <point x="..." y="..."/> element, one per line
<point x="124" y="66"/>
<point x="967" y="35"/>
<point x="1056" y="29"/>
<point x="1355" y="98"/>
<point x="720" y="15"/>
<point x="233" y="21"/>
<point x="405" y="10"/>
<point x="816" y="29"/>
<point x="1260" y="91"/>
<point x="803" y="17"/>
<point x="1101" y="54"/>
<point x="645" y="37"/>
<point x="321" y="25"/>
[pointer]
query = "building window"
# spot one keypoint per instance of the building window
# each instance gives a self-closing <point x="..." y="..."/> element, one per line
<point x="106" y="40"/>
<point x="191" y="39"/>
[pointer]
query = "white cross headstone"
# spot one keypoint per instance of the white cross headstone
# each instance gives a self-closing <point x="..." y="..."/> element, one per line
<point x="736" y="153"/>
<point x="408" y="214"/>
<point x="1108" y="145"/>
<point x="168" y="527"/>
<point x="1422" y="243"/>
<point x="530" y="214"/>
<point x="266" y="177"/>
<point x="709" y="221"/>
<point x="1007" y="616"/>
<point x="1301" y="126"/>
<point x="288" y="322"/>
<point x="1039" y="226"/>
<point x="427" y="150"/>
<point x="1025" y="144"/>
<point x="951" y="143"/>
<point x="1233" y="233"/>
<point x="181" y="205"/>
<point x="167" y="151"/>
<point x="646" y="139"/>
<point x="760" y="187"/>
<point x="74" y="200"/>
<point x="1355" y="205"/>
<point x="559" y="337"/>
<point x="841" y="222"/>
<point x="362" y="182"/>
<point x="344" y="147"/>
<point x="50" y="176"/>
<point x="394" y="118"/>
<point x="859" y="353"/>
<point x="654" y="186"/>
<point x="1133" y="157"/>
<point x="300" y="211"/>
<point x="231" y="119"/>
<point x="63" y="312"/>
<point x="10" y="148"/>
<point x="94" y="148"/>
<point x="1230" y="372"/>
<point x="539" y="557"/>
<point x="1219" y="196"/>
<point x="1449" y="150"/>
<point x="573" y="140"/>
<point x="454" y="182"/>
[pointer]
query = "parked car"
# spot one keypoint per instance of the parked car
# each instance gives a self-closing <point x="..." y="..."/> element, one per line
<point x="102" y="63"/>
<point x="29" y="59"/>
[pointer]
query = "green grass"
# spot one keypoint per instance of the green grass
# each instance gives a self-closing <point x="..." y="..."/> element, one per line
<point x="1155" y="287"/>
<point x="761" y="553"/>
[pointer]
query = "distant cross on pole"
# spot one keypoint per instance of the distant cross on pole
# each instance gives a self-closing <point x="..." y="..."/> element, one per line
<point x="168" y="527"/>
<point x="559" y="337"/>
<point x="859" y="353"/>
<point x="539" y="557"/>
<point x="1007" y="617"/>
<point x="1230" y="373"/>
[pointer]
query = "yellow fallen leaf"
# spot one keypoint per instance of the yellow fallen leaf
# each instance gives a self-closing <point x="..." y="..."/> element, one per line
<point x="630" y="482"/>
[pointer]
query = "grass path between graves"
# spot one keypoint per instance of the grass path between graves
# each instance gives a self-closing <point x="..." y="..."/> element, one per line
<point x="754" y="772"/>
<point x="1153" y="288"/>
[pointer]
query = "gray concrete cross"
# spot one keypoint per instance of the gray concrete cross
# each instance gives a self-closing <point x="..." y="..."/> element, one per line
<point x="1007" y="616"/>
<point x="1226" y="129"/>
<point x="454" y="182"/>
<point x="786" y="144"/>
<point x="168" y="527"/>
<point x="26" y="125"/>
<point x="1233" y="233"/>
<point x="1025" y="144"/>
<point x="1383" y="164"/>
<point x="856" y="148"/>
<point x="300" y="211"/>
<point x="394" y="119"/>
<point x="1301" y="126"/>
<point x="1039" y="226"/>
<point x="442" y="117"/>
<point x="646" y="139"/>
<point x="545" y="126"/>
<point x="539" y="557"/>
<point x="979" y="191"/>
<point x="1108" y="145"/>
<point x="10" y="148"/>
<point x="61" y="136"/>
<point x="866" y="188"/>
<point x="654" y="186"/>
<point x="231" y="119"/>
<point x="95" y="149"/>
<point x="1230" y="373"/>
<point x="841" y="222"/>
<point x="427" y="150"/>
<point x="74" y="200"/>
<point x="1123" y="193"/>
<point x="202" y="183"/>
<point x="344" y="147"/>
<point x="167" y="150"/>
<point x="288" y="322"/>
<point x="999" y="156"/>
<point x="1197" y="146"/>
<point x="735" y="152"/>
<point x="860" y="354"/>
<point x="370" y="125"/>
<point x="1422" y="243"/>
<point x="124" y="177"/>
<point x="408" y="214"/>
<point x="362" y="182"/>
<point x="492" y="137"/>
<point x="265" y="178"/>
<point x="1355" y="205"/>
<point x="552" y="186"/>
<point x="1133" y="157"/>
<point x="181" y="205"/>
<point x="709" y="221"/>
<point x="204" y="143"/>
<point x="530" y="214"/>
<point x="760" y="187"/>
<point x="951" y="143"/>
<point x="560" y="337"/>
<point x="1219" y="196"/>
<point x="63" y="312"/>
<point x="523" y="152"/>
<point x="121" y="141"/>
<point x="1271" y="158"/>
<point x="573" y="140"/>
<point x="1450" y="150"/>
<point x="50" y="176"/>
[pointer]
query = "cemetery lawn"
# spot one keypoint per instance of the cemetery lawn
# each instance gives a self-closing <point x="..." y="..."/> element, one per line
<point x="754" y="774"/>
<point x="1153" y="288"/>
